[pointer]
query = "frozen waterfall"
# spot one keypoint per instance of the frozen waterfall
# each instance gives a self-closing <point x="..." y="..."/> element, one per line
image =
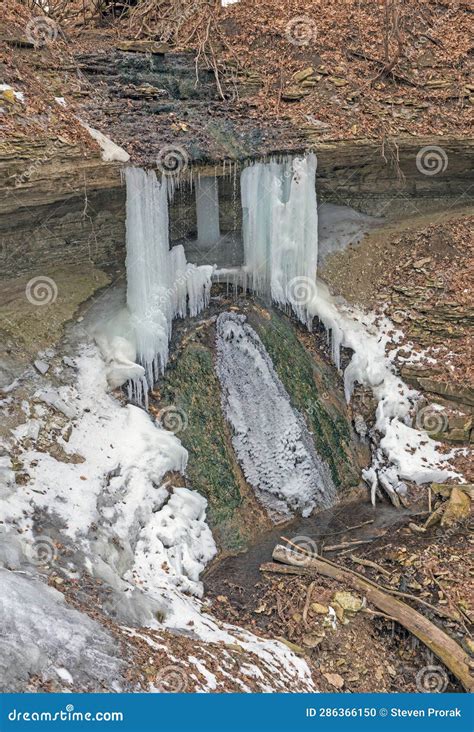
<point x="161" y="285"/>
<point x="280" y="231"/>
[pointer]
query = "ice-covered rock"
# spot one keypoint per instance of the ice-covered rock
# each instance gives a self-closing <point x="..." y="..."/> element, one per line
<point x="271" y="440"/>
<point x="41" y="635"/>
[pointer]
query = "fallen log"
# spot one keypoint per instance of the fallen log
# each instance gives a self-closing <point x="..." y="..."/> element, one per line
<point x="444" y="647"/>
<point x="436" y="610"/>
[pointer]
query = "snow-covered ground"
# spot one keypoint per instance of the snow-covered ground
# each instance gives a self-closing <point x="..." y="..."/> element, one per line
<point x="339" y="226"/>
<point x="404" y="452"/>
<point x="106" y="499"/>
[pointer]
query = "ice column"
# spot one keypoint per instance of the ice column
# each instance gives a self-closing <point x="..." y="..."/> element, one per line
<point x="280" y="231"/>
<point x="207" y="209"/>
<point x="161" y="285"/>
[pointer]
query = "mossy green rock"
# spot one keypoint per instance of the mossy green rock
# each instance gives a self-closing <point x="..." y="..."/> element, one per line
<point x="316" y="391"/>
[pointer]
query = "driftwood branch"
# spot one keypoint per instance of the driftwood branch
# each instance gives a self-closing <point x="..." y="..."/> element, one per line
<point x="444" y="647"/>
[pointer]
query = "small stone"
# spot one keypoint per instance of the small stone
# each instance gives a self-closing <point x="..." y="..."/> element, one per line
<point x="319" y="609"/>
<point x="417" y="529"/>
<point x="339" y="611"/>
<point x="294" y="93"/>
<point x="335" y="680"/>
<point x="457" y="509"/>
<point x="41" y="366"/>
<point x="337" y="80"/>
<point x="438" y="83"/>
<point x="303" y="74"/>
<point x="398" y="318"/>
<point x="348" y="601"/>
<point x="312" y="640"/>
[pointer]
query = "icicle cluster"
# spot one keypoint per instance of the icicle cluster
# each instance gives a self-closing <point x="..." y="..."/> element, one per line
<point x="161" y="285"/>
<point x="280" y="231"/>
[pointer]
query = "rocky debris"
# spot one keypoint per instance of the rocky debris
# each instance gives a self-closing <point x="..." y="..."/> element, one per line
<point x="319" y="609"/>
<point x="444" y="419"/>
<point x="424" y="378"/>
<point x="302" y="75"/>
<point x="348" y="602"/>
<point x="444" y="489"/>
<point x="293" y="93"/>
<point x="458" y="508"/>
<point x="41" y="366"/>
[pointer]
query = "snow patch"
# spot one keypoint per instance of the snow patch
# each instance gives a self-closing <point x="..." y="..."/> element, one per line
<point x="110" y="151"/>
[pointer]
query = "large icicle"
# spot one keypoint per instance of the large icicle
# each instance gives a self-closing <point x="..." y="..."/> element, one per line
<point x="280" y="231"/>
<point x="161" y="285"/>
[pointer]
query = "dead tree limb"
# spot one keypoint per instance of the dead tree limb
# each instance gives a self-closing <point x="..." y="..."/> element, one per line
<point x="444" y="647"/>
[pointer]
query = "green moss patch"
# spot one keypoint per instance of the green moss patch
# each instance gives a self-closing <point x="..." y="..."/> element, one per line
<point x="315" y="390"/>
